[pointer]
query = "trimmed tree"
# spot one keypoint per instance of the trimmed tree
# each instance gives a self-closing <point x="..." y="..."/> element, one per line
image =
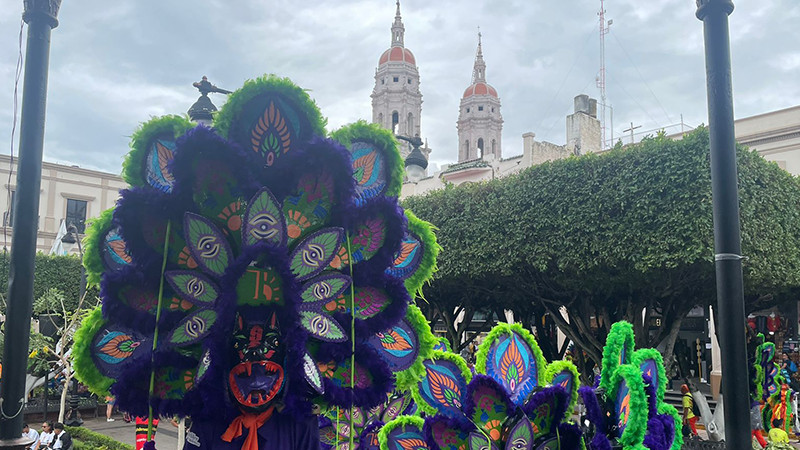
<point x="619" y="236"/>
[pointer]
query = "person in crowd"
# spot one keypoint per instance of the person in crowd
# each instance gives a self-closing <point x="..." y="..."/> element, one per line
<point x="776" y="434"/>
<point x="31" y="434"/>
<point x="689" y="418"/>
<point x="109" y="408"/>
<point x="45" y="437"/>
<point x="62" y="439"/>
<point x="141" y="431"/>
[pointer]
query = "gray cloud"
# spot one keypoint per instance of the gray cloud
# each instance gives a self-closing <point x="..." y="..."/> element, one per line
<point x="115" y="64"/>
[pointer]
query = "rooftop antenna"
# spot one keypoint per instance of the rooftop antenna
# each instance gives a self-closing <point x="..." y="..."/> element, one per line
<point x="601" y="76"/>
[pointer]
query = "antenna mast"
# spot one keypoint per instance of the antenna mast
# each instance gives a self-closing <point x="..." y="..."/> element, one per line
<point x="601" y="76"/>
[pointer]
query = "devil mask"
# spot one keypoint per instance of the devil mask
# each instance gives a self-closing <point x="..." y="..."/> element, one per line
<point x="257" y="376"/>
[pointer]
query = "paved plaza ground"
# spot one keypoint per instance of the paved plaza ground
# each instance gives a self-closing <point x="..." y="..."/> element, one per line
<point x="166" y="437"/>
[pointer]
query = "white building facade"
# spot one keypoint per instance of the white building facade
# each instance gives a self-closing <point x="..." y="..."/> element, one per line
<point x="68" y="193"/>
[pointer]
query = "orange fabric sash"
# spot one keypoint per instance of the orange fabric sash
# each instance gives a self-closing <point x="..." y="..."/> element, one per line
<point x="250" y="421"/>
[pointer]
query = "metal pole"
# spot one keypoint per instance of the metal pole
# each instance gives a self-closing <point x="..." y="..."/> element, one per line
<point x="727" y="240"/>
<point x="40" y="15"/>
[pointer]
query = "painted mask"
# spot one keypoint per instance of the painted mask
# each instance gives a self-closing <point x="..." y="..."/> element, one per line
<point x="257" y="378"/>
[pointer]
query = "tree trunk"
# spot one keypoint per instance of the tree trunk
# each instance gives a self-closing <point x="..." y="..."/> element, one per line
<point x="63" y="406"/>
<point x="669" y="360"/>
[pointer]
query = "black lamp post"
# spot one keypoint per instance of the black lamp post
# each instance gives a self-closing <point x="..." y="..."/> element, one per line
<point x="727" y="239"/>
<point x="41" y="17"/>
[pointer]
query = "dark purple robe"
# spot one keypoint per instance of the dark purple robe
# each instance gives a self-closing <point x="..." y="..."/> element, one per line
<point x="278" y="433"/>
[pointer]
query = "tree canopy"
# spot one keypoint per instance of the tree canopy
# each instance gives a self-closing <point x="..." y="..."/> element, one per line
<point x="621" y="235"/>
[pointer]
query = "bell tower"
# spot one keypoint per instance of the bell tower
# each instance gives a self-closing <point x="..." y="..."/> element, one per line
<point x="480" y="124"/>
<point x="396" y="98"/>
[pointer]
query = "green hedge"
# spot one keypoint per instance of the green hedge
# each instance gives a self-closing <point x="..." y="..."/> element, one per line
<point x="89" y="440"/>
<point x="62" y="272"/>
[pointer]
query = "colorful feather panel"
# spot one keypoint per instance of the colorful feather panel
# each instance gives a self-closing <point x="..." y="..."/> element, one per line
<point x="160" y="155"/>
<point x="443" y="387"/>
<point x="520" y="435"/>
<point x="398" y="345"/>
<point x="314" y="254"/>
<point x="403" y="433"/>
<point x="489" y="407"/>
<point x="263" y="220"/>
<point x="369" y="170"/>
<point x="207" y="243"/>
<point x="115" y="251"/>
<point x="511" y="362"/>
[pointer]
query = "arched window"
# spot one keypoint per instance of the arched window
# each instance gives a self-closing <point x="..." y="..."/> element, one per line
<point x="411" y="124"/>
<point x="494" y="147"/>
<point x="466" y="149"/>
<point x="380" y="120"/>
<point x="395" y="121"/>
<point x="480" y="147"/>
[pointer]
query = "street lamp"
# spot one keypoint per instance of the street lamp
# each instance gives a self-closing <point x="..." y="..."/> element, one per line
<point x="41" y="17"/>
<point x="69" y="240"/>
<point x="415" y="162"/>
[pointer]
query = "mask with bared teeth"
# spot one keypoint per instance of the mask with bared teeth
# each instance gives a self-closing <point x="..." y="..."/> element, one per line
<point x="257" y="378"/>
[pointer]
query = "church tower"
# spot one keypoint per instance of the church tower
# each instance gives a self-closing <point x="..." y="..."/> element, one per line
<point x="480" y="124"/>
<point x="396" y="99"/>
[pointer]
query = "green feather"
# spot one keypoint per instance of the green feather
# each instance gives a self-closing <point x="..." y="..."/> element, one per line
<point x="93" y="243"/>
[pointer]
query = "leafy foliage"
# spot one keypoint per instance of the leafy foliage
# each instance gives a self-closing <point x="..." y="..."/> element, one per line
<point x="88" y="439"/>
<point x="62" y="272"/>
<point x="612" y="236"/>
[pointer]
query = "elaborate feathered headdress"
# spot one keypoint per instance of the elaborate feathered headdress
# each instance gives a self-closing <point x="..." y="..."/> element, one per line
<point x="256" y="266"/>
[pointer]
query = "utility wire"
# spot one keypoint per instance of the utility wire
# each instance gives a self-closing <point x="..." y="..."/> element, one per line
<point x="669" y="119"/>
<point x="564" y="80"/>
<point x="17" y="75"/>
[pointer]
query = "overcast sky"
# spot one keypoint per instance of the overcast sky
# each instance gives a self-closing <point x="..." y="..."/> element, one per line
<point x="114" y="64"/>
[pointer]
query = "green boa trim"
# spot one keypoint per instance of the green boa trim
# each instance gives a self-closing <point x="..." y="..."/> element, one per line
<point x="402" y="421"/>
<point x="405" y="379"/>
<point x="620" y="336"/>
<point x="133" y="166"/>
<point x="504" y="328"/>
<point x="639" y="356"/>
<point x="427" y="266"/>
<point x="267" y="83"/>
<point x="637" y="419"/>
<point x="556" y="367"/>
<point x="384" y="142"/>
<point x="666" y="408"/>
<point x="93" y="246"/>
<point x="414" y="387"/>
<point x="82" y="362"/>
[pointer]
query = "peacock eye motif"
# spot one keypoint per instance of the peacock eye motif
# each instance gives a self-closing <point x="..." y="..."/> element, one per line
<point x="195" y="327"/>
<point x="195" y="287"/>
<point x="264" y="226"/>
<point x="209" y="246"/>
<point x="312" y="256"/>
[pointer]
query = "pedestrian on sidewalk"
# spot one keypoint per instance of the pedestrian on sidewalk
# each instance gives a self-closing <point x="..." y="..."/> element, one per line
<point x="109" y="408"/>
<point x="689" y="417"/>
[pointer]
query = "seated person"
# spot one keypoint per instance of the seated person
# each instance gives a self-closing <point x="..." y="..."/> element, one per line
<point x="776" y="435"/>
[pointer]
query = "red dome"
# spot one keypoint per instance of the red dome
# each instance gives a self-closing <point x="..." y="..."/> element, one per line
<point x="397" y="54"/>
<point x="480" y="88"/>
